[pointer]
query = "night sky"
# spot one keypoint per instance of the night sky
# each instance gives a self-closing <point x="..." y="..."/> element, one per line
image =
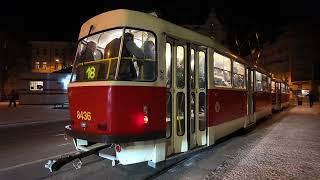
<point x="56" y="20"/>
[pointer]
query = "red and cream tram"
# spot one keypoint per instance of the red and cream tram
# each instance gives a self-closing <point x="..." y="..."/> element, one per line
<point x="192" y="92"/>
<point x="280" y="95"/>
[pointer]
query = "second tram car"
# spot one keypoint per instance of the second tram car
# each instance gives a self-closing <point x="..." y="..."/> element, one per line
<point x="188" y="93"/>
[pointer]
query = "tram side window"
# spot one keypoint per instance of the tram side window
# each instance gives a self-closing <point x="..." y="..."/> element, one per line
<point x="282" y="88"/>
<point x="202" y="67"/>
<point x="180" y="67"/>
<point x="97" y="56"/>
<point x="90" y="64"/>
<point x="273" y="87"/>
<point x="265" y="83"/>
<point x="141" y="54"/>
<point x="238" y="75"/>
<point x="222" y="70"/>
<point x="269" y="84"/>
<point x="258" y="81"/>
<point x="192" y="73"/>
<point x="180" y="116"/>
<point x="168" y="64"/>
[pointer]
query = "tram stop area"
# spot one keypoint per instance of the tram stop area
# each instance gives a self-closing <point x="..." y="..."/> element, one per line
<point x="284" y="146"/>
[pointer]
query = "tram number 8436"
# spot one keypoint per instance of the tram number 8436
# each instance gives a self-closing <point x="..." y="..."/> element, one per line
<point x="84" y="115"/>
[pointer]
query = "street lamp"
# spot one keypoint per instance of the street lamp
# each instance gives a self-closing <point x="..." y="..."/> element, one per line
<point x="57" y="60"/>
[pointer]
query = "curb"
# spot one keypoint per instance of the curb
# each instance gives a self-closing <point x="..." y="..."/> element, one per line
<point x="29" y="123"/>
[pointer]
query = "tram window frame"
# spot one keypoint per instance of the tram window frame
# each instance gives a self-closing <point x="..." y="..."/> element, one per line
<point x="236" y="73"/>
<point x="219" y="57"/>
<point x="123" y="29"/>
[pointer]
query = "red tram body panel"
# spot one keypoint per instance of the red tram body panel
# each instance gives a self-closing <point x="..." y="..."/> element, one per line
<point x="118" y="112"/>
<point x="226" y="105"/>
<point x="263" y="100"/>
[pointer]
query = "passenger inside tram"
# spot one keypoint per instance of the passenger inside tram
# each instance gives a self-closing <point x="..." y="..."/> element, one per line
<point x="87" y="54"/>
<point x="147" y="66"/>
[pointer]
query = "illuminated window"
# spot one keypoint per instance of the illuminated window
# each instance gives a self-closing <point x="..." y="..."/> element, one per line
<point x="265" y="83"/>
<point x="238" y="75"/>
<point x="283" y="88"/>
<point x="262" y="82"/>
<point x="258" y="82"/>
<point x="137" y="63"/>
<point x="44" y="65"/>
<point x="36" y="85"/>
<point x="273" y="87"/>
<point x="222" y="70"/>
<point x="180" y="67"/>
<point x="269" y="84"/>
<point x="37" y="65"/>
<point x="192" y="73"/>
<point x="168" y="64"/>
<point x="202" y="65"/>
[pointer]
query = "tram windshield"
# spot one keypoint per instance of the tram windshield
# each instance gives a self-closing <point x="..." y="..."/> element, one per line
<point x="101" y="57"/>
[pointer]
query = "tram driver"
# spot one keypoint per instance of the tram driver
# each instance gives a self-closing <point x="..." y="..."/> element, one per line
<point x="87" y="54"/>
<point x="147" y="66"/>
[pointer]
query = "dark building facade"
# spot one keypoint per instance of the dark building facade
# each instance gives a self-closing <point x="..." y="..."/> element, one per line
<point x="50" y="56"/>
<point x="294" y="57"/>
<point x="20" y="56"/>
<point x="14" y="59"/>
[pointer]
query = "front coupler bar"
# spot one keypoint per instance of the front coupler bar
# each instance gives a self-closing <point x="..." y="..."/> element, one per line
<point x="54" y="165"/>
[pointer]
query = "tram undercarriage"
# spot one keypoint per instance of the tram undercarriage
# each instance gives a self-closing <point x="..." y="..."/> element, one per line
<point x="152" y="151"/>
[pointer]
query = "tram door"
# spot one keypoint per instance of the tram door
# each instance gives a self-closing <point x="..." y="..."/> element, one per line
<point x="197" y="121"/>
<point x="183" y="94"/>
<point x="250" y="97"/>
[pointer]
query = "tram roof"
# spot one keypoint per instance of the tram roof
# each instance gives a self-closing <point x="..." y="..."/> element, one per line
<point x="135" y="19"/>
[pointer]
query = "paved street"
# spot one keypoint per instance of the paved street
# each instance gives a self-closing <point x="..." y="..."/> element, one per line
<point x="284" y="147"/>
<point x="25" y="149"/>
